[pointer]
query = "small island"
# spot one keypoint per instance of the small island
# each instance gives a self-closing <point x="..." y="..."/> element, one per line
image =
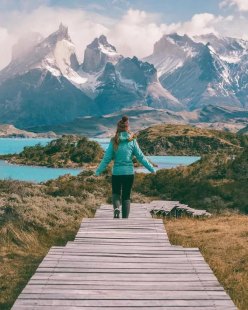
<point x="69" y="151"/>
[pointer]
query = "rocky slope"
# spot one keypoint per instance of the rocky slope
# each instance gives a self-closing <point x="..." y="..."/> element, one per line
<point x="203" y="70"/>
<point x="38" y="84"/>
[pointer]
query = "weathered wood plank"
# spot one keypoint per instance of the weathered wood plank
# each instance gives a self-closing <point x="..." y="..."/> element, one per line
<point x="117" y="295"/>
<point x="36" y="307"/>
<point x="102" y="264"/>
<point x="150" y="286"/>
<point x="127" y="303"/>
<point x="124" y="276"/>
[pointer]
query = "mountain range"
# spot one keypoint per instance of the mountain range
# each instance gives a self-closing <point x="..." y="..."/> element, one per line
<point x="199" y="79"/>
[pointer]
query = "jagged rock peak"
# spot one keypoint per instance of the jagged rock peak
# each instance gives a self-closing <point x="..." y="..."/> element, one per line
<point x="97" y="43"/>
<point x="60" y="34"/>
<point x="141" y="72"/>
<point x="175" y="42"/>
<point x="98" y="53"/>
<point x="63" y="28"/>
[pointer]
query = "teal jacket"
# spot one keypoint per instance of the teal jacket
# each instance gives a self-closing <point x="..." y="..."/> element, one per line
<point x="123" y="163"/>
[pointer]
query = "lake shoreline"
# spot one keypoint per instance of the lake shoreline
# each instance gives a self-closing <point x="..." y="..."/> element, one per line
<point x="33" y="174"/>
<point x="37" y="166"/>
<point x="29" y="171"/>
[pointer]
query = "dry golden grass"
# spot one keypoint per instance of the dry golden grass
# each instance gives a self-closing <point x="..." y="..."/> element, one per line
<point x="223" y="241"/>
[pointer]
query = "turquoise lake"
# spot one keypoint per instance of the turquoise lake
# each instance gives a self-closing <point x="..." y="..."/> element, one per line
<point x="41" y="174"/>
<point x="16" y="145"/>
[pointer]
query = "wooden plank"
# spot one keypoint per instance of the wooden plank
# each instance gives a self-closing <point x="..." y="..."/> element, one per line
<point x="153" y="271"/>
<point x="181" y="285"/>
<point x="127" y="265"/>
<point x="140" y="286"/>
<point x="129" y="295"/>
<point x="127" y="303"/>
<point x="124" y="276"/>
<point x="36" y="307"/>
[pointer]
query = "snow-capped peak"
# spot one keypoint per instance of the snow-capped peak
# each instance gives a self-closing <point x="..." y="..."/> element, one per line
<point x="56" y="53"/>
<point x="171" y="51"/>
<point x="102" y="42"/>
<point x="230" y="50"/>
<point x="98" y="53"/>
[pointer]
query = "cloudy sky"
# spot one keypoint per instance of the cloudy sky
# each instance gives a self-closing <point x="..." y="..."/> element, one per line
<point x="131" y="25"/>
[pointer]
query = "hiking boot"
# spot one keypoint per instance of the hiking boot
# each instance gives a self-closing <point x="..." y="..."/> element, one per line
<point x="116" y="214"/>
<point x="116" y="205"/>
<point x="125" y="208"/>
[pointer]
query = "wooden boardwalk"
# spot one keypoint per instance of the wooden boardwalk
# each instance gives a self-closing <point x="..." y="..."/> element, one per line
<point x="123" y="264"/>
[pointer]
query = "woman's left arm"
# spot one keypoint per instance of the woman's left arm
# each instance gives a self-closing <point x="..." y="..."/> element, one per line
<point x="141" y="157"/>
<point x="108" y="156"/>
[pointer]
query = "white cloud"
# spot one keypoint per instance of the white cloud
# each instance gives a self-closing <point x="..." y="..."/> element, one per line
<point x="83" y="26"/>
<point x="6" y="42"/>
<point x="134" y="34"/>
<point x="242" y="5"/>
<point x="200" y="24"/>
<point x="231" y="25"/>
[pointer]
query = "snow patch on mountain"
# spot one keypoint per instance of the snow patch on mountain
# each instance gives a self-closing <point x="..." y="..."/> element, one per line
<point x="171" y="52"/>
<point x="229" y="49"/>
<point x="108" y="50"/>
<point x="157" y="91"/>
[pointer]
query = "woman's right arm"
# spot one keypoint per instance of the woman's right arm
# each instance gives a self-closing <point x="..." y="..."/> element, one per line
<point x="141" y="157"/>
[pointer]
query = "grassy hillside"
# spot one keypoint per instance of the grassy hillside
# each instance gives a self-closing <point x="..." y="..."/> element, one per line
<point x="187" y="140"/>
<point x="216" y="182"/>
<point x="68" y="151"/>
<point x="223" y="242"/>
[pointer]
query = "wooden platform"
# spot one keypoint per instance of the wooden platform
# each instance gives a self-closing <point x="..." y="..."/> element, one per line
<point x="123" y="264"/>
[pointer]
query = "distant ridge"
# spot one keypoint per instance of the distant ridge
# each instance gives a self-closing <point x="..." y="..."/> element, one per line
<point x="9" y="131"/>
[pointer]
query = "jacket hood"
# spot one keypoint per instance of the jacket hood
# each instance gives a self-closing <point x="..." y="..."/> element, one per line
<point x="126" y="136"/>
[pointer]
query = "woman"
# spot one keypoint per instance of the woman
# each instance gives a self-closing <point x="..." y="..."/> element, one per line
<point x="121" y="149"/>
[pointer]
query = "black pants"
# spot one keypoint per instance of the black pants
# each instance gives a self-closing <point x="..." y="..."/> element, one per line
<point x="122" y="185"/>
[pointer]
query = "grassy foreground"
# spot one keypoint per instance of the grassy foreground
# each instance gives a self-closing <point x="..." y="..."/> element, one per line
<point x="223" y="241"/>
